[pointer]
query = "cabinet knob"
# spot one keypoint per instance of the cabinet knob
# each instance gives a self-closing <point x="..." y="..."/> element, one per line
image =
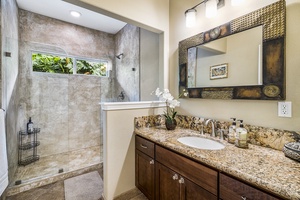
<point x="181" y="180"/>
<point x="152" y="162"/>
<point x="244" y="198"/>
<point x="175" y="177"/>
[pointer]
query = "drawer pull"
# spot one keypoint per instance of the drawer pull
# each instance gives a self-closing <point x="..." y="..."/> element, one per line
<point x="244" y="198"/>
<point x="143" y="146"/>
<point x="175" y="177"/>
<point x="181" y="180"/>
<point x="152" y="162"/>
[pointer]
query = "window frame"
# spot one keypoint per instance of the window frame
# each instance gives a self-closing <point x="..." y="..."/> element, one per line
<point x="74" y="60"/>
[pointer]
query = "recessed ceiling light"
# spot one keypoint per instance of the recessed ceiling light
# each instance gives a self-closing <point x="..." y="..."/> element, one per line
<point x="75" y="13"/>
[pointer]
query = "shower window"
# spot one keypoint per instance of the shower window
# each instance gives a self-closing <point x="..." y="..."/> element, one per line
<point x="51" y="63"/>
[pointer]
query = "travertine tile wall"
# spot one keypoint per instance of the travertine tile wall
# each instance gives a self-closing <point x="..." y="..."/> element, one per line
<point x="127" y="68"/>
<point x="65" y="107"/>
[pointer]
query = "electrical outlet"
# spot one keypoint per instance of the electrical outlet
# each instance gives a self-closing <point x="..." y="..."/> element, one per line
<point x="285" y="109"/>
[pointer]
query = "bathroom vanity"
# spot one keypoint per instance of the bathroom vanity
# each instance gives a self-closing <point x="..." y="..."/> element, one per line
<point x="167" y="169"/>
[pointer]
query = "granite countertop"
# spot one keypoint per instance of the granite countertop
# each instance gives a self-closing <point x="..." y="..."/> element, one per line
<point x="264" y="167"/>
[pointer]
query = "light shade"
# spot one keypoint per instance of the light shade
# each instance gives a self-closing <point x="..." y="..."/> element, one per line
<point x="211" y="8"/>
<point x="75" y="13"/>
<point x="190" y="17"/>
<point x="236" y="2"/>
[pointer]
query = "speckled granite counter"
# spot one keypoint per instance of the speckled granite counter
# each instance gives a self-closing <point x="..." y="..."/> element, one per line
<point x="264" y="167"/>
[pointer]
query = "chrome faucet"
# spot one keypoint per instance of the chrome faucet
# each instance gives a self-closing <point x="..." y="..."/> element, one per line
<point x="213" y="134"/>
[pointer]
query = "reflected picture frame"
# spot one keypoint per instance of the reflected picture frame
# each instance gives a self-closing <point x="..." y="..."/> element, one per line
<point x="218" y="71"/>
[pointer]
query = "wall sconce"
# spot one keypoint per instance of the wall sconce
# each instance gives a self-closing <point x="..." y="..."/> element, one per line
<point x="211" y="7"/>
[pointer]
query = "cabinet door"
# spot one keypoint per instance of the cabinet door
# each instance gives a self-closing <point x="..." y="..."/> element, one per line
<point x="201" y="175"/>
<point x="232" y="189"/>
<point x="144" y="174"/>
<point x="167" y="183"/>
<point x="192" y="191"/>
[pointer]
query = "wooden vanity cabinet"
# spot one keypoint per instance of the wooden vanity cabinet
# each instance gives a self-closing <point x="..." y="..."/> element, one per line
<point x="145" y="167"/>
<point x="232" y="189"/>
<point x="162" y="174"/>
<point x="180" y="178"/>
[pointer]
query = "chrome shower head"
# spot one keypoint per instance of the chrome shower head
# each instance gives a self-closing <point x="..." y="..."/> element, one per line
<point x="120" y="56"/>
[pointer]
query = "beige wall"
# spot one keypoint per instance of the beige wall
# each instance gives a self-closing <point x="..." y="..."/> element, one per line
<point x="119" y="147"/>
<point x="263" y="113"/>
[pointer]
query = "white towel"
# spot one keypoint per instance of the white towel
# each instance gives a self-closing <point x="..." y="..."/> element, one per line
<point x="3" y="154"/>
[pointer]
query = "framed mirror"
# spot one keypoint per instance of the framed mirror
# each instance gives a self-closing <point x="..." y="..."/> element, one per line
<point x="219" y="64"/>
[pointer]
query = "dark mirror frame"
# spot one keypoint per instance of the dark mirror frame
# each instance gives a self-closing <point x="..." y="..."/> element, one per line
<point x="273" y="20"/>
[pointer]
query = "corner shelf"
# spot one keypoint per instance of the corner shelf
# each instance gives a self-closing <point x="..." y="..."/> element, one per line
<point x="28" y="141"/>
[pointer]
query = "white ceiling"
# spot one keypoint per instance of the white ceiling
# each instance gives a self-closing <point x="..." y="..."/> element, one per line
<point x="59" y="9"/>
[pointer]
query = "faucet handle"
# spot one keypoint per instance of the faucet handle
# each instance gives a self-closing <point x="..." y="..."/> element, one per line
<point x="221" y="133"/>
<point x="201" y="129"/>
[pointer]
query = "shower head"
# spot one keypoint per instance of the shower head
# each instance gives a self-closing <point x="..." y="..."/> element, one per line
<point x="120" y="56"/>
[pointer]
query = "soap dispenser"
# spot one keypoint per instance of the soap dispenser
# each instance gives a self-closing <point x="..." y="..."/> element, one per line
<point x="232" y="131"/>
<point x="242" y="136"/>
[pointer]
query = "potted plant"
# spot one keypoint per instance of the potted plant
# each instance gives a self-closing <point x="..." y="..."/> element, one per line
<point x="171" y="103"/>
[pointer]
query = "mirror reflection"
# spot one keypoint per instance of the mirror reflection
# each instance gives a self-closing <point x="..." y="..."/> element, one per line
<point x="235" y="60"/>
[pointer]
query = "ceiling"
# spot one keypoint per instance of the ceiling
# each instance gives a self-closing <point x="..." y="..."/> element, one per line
<point x="59" y="9"/>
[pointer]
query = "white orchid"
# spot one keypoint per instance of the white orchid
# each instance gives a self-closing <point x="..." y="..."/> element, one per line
<point x="171" y="102"/>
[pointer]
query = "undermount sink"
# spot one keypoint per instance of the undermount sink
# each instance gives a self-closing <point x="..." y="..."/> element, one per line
<point x="201" y="143"/>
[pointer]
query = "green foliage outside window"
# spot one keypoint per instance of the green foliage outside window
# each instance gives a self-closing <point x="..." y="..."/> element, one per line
<point x="94" y="68"/>
<point x="64" y="65"/>
<point x="51" y="64"/>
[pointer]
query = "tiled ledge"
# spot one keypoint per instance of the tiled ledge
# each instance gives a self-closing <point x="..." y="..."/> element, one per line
<point x="262" y="136"/>
<point x="12" y="190"/>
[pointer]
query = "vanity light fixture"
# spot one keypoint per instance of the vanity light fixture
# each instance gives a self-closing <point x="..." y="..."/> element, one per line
<point x="75" y="13"/>
<point x="211" y="7"/>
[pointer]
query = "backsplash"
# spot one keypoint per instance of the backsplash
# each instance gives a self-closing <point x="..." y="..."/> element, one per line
<point x="257" y="135"/>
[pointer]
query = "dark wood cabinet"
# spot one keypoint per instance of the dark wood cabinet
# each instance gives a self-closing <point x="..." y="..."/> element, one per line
<point x="144" y="167"/>
<point x="184" y="179"/>
<point x="162" y="174"/>
<point x="172" y="185"/>
<point x="167" y="183"/>
<point x="232" y="189"/>
<point x="199" y="174"/>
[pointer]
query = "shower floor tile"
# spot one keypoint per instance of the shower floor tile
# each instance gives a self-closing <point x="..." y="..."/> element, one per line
<point x="46" y="170"/>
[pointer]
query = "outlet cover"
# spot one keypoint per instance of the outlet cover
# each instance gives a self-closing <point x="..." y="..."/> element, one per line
<point x="285" y="109"/>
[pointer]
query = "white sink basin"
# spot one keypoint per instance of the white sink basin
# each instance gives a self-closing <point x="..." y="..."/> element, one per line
<point x="200" y="143"/>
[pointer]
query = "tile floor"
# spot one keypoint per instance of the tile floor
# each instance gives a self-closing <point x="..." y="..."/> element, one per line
<point x="55" y="191"/>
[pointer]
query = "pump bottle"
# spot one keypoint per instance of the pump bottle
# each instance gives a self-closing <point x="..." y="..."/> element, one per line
<point x="242" y="136"/>
<point x="232" y="131"/>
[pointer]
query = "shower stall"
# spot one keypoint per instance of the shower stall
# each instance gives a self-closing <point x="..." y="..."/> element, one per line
<point x="66" y="107"/>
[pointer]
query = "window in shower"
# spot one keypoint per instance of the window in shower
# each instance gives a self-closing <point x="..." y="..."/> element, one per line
<point x="51" y="63"/>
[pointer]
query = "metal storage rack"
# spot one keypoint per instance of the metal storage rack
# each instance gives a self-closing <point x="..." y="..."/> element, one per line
<point x="27" y="149"/>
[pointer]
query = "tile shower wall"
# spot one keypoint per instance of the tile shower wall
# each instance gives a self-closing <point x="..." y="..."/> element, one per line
<point x="9" y="79"/>
<point x="66" y="107"/>
<point x="127" y="68"/>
